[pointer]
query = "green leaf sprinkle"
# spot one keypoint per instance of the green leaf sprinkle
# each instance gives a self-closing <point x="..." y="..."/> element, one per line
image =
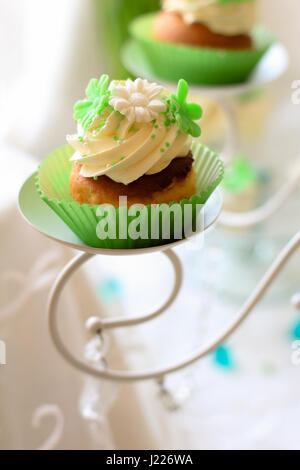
<point x="153" y="136"/>
<point x="167" y="144"/>
<point x="95" y="178"/>
<point x="97" y="99"/>
<point x="185" y="113"/>
<point x="80" y="138"/>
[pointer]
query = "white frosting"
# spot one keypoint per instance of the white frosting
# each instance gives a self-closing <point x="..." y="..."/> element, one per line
<point x="125" y="151"/>
<point x="138" y="100"/>
<point x="229" y="19"/>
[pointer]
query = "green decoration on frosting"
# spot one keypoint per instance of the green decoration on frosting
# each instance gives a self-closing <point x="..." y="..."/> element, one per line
<point x="97" y="96"/>
<point x="185" y="113"/>
<point x="177" y="111"/>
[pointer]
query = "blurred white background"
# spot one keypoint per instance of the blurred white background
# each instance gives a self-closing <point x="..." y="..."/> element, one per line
<point x="49" y="50"/>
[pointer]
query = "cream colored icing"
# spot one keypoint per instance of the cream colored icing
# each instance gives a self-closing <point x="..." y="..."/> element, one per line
<point x="131" y="138"/>
<point x="228" y="19"/>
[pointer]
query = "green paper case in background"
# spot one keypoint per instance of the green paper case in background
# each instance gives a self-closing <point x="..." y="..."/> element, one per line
<point x="197" y="65"/>
<point x="53" y="186"/>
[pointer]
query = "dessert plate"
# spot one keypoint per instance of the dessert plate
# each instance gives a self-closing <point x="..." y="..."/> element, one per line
<point x="42" y="218"/>
<point x="272" y="66"/>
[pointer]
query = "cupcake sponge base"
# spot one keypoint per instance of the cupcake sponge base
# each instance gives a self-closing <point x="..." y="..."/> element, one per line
<point x="174" y="183"/>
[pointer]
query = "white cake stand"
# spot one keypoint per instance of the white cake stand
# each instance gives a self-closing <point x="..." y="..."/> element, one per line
<point x="43" y="219"/>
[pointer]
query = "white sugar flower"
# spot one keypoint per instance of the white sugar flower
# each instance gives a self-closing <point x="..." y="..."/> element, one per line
<point x="138" y="100"/>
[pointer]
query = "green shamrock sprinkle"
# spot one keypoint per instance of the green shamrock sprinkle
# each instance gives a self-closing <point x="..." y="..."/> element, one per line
<point x="156" y="126"/>
<point x="153" y="136"/>
<point x="122" y="158"/>
<point x="162" y="150"/>
<point x="95" y="178"/>
<point x="80" y="138"/>
<point x="186" y="113"/>
<point x="116" y="138"/>
<point x="97" y="97"/>
<point x="167" y="144"/>
<point x="113" y="163"/>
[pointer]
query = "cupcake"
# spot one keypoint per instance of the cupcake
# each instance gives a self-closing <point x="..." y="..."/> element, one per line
<point x="132" y="176"/>
<point x="208" y="42"/>
<point x="224" y="24"/>
<point x="137" y="144"/>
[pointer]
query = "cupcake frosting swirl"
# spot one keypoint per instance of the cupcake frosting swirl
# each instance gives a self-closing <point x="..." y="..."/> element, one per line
<point x="229" y="17"/>
<point x="140" y="130"/>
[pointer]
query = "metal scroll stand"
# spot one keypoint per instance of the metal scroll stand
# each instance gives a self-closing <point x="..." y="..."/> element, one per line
<point x="40" y="217"/>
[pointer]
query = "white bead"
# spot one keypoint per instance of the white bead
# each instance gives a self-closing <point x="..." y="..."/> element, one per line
<point x="296" y="301"/>
<point x="93" y="325"/>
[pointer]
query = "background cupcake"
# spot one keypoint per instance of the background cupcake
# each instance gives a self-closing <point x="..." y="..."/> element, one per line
<point x="208" y="23"/>
<point x="208" y="42"/>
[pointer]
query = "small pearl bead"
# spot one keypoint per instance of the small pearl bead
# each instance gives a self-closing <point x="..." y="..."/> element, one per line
<point x="93" y="325"/>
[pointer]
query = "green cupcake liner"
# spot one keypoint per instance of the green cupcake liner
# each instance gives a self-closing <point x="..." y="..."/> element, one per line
<point x="197" y="65"/>
<point x="53" y="186"/>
